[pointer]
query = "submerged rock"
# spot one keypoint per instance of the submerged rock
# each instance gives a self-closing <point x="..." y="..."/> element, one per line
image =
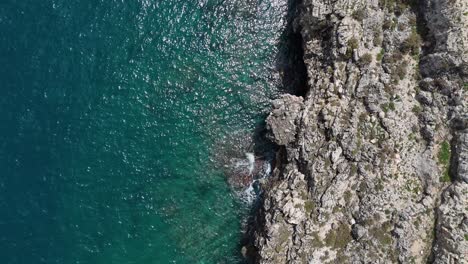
<point x="241" y="173"/>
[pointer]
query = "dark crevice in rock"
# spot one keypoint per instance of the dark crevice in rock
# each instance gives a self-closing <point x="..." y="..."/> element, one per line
<point x="431" y="257"/>
<point x="458" y="126"/>
<point x="248" y="249"/>
<point x="262" y="147"/>
<point x="290" y="62"/>
<point x="298" y="75"/>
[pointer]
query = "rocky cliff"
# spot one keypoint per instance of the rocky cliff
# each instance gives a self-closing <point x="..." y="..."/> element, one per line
<point x="372" y="164"/>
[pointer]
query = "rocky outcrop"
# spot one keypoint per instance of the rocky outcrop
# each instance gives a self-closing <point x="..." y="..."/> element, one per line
<point x="282" y="121"/>
<point x="373" y="160"/>
<point x="446" y="68"/>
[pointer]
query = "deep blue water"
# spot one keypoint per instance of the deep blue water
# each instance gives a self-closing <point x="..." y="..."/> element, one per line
<point x="113" y="116"/>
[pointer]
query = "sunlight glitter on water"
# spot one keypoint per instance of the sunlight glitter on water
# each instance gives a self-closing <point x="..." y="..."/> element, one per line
<point x="119" y="117"/>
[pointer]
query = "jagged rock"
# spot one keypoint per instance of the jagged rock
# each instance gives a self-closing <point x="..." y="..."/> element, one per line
<point x="451" y="245"/>
<point x="364" y="174"/>
<point x="461" y="154"/>
<point x="358" y="232"/>
<point x="282" y="120"/>
<point x="424" y="98"/>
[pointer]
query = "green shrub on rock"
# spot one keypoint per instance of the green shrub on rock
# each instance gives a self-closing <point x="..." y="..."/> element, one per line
<point x="353" y="44"/>
<point x="380" y="55"/>
<point x="359" y="15"/>
<point x="401" y="70"/>
<point x="412" y="44"/>
<point x="365" y="59"/>
<point x="339" y="237"/>
<point x="444" y="161"/>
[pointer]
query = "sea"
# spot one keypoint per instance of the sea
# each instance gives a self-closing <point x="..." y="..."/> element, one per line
<point x="118" y="119"/>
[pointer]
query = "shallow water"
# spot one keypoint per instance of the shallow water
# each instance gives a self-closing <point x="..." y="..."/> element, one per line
<point x="112" y="112"/>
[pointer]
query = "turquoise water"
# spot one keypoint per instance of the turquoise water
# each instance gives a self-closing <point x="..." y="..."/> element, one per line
<point x="113" y="118"/>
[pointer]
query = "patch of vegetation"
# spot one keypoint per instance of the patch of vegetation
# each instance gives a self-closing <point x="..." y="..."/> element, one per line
<point x="416" y="109"/>
<point x="388" y="106"/>
<point x="384" y="107"/>
<point x="368" y="222"/>
<point x="417" y="89"/>
<point x="380" y="55"/>
<point x="444" y="153"/>
<point x="394" y="58"/>
<point x="387" y="24"/>
<point x="412" y="44"/>
<point x="412" y="21"/>
<point x="465" y="86"/>
<point x="387" y="4"/>
<point x="316" y="241"/>
<point x="400" y="7"/>
<point x="397" y="6"/>
<point x="389" y="89"/>
<point x="377" y="37"/>
<point x="362" y="187"/>
<point x="444" y="160"/>
<point x="387" y="226"/>
<point x="401" y="70"/>
<point x="341" y="258"/>
<point x="284" y="235"/>
<point x="382" y="235"/>
<point x="365" y="59"/>
<point x="359" y="14"/>
<point x="413" y="137"/>
<point x="353" y="44"/>
<point x="379" y="186"/>
<point x="394" y="23"/>
<point x="347" y="196"/>
<point x="401" y="27"/>
<point x="336" y="209"/>
<point x="309" y="206"/>
<point x="339" y="237"/>
<point x="377" y="217"/>
<point x="412" y="186"/>
<point x="368" y="167"/>
<point x="354" y="169"/>
<point x="417" y="222"/>
<point x="445" y="177"/>
<point x="362" y="117"/>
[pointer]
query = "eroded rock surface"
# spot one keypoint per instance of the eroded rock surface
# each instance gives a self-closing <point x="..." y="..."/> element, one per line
<point x="281" y="122"/>
<point x="373" y="162"/>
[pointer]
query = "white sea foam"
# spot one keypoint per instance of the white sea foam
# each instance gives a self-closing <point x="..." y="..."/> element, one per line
<point x="249" y="194"/>
<point x="251" y="159"/>
<point x="267" y="170"/>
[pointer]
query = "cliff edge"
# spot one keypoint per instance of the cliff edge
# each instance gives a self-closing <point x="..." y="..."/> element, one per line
<point x="372" y="164"/>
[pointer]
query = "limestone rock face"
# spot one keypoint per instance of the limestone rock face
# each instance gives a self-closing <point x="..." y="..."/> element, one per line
<point x="282" y="120"/>
<point x="461" y="165"/>
<point x="452" y="226"/>
<point x="372" y="164"/>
